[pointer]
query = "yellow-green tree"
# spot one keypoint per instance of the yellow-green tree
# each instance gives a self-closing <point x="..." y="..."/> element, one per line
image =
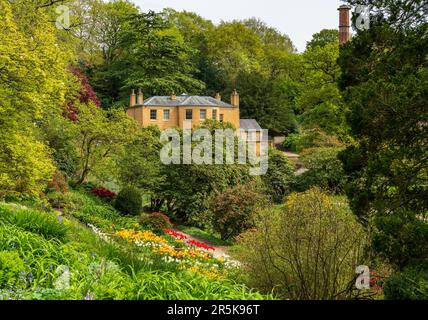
<point x="32" y="79"/>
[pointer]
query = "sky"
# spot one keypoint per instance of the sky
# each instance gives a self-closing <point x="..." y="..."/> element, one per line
<point x="299" y="19"/>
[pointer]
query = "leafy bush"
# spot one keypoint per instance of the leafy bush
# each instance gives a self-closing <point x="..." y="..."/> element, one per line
<point x="279" y="176"/>
<point x="129" y="201"/>
<point x="157" y="222"/>
<point x="42" y="223"/>
<point x="325" y="170"/>
<point x="57" y="200"/>
<point x="231" y="210"/>
<point x="401" y="238"/>
<point x="310" y="138"/>
<point x="11" y="267"/>
<point x="103" y="193"/>
<point x="407" y="285"/>
<point x="58" y="183"/>
<point x="307" y="249"/>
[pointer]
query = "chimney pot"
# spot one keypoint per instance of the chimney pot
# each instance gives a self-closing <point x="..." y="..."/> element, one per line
<point x="140" y="97"/>
<point x="234" y="99"/>
<point x="173" y="96"/>
<point x="133" y="98"/>
<point x="218" y="96"/>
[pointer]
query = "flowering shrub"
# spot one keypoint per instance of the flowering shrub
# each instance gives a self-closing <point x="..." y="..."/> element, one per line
<point x="175" y="234"/>
<point x="103" y="193"/>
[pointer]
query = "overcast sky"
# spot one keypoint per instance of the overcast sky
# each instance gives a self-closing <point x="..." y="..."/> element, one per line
<point x="299" y="19"/>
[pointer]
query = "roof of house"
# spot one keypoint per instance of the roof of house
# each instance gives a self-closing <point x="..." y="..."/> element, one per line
<point x="185" y="100"/>
<point x="249" y="124"/>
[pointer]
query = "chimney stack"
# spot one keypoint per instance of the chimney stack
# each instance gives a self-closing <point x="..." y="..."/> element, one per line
<point x="344" y="23"/>
<point x="133" y="98"/>
<point x="234" y="99"/>
<point x="218" y="96"/>
<point x="140" y="97"/>
<point x="173" y="96"/>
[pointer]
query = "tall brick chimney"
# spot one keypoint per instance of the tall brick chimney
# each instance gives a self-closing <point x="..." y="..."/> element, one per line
<point x="344" y="23"/>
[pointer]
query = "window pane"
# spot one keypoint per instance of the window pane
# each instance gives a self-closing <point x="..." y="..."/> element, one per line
<point x="203" y="114"/>
<point x="153" y="114"/>
<point x="189" y="115"/>
<point x="221" y="118"/>
<point x="214" y="114"/>
<point x="166" y="114"/>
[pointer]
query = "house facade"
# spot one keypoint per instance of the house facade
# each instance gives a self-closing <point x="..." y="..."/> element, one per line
<point x="182" y="111"/>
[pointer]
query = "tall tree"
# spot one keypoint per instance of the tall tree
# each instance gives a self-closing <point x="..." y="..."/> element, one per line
<point x="385" y="79"/>
<point x="33" y="79"/>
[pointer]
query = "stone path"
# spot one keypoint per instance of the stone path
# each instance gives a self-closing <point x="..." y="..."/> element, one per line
<point x="295" y="158"/>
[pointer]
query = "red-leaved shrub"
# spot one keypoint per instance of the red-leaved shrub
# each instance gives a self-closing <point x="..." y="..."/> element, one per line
<point x="103" y="193"/>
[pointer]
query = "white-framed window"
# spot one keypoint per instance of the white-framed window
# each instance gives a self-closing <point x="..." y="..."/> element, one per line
<point x="221" y="117"/>
<point x="153" y="114"/>
<point x="189" y="114"/>
<point x="166" y="115"/>
<point x="203" y="114"/>
<point x="214" y="114"/>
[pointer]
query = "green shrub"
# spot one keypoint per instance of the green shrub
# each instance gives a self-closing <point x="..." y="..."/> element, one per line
<point x="407" y="285"/>
<point x="279" y="176"/>
<point x="401" y="239"/>
<point x="42" y="223"/>
<point x="310" y="138"/>
<point x="231" y="210"/>
<point x="325" y="170"/>
<point x="57" y="199"/>
<point x="157" y="222"/>
<point x="129" y="201"/>
<point x="11" y="267"/>
<point x="308" y="249"/>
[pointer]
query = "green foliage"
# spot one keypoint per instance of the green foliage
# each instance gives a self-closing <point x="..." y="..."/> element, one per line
<point x="325" y="170"/>
<point x="231" y="211"/>
<point x="100" y="135"/>
<point x="279" y="176"/>
<point x="156" y="222"/>
<point x="323" y="38"/>
<point x="384" y="79"/>
<point x="169" y="286"/>
<point x="129" y="201"/>
<point x="42" y="223"/>
<point x="140" y="166"/>
<point x="401" y="239"/>
<point x="92" y="210"/>
<point x="35" y="82"/>
<point x="307" y="249"/>
<point x="407" y="285"/>
<point x="11" y="268"/>
<point x="310" y="138"/>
